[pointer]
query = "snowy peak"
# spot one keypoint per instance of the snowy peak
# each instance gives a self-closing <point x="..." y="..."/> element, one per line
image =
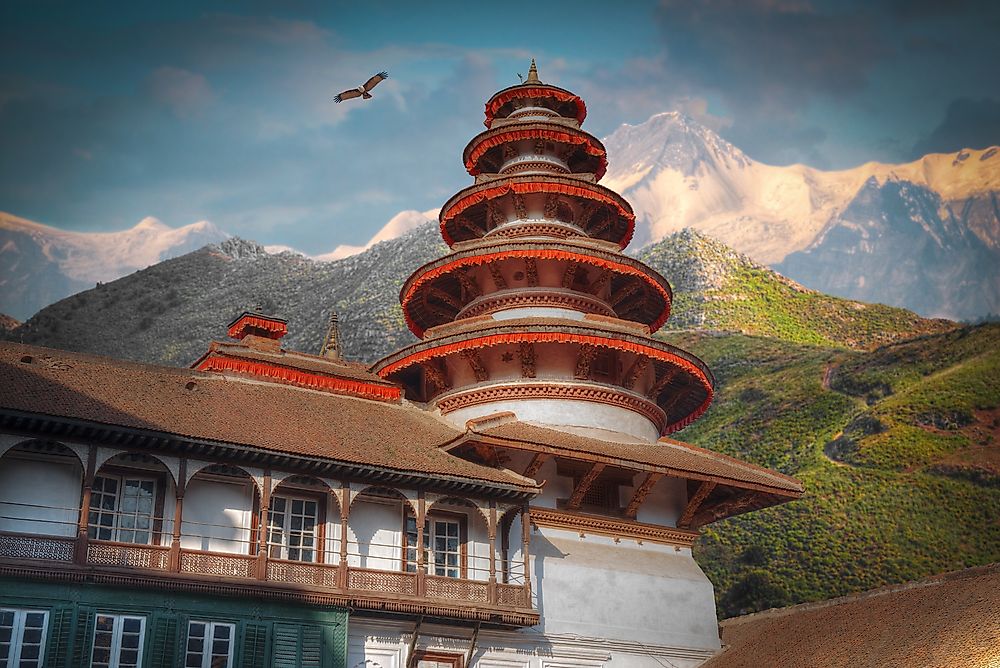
<point x="41" y="264"/>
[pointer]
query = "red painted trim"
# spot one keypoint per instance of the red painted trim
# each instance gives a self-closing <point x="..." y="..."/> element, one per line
<point x="549" y="254"/>
<point x="238" y="329"/>
<point x="515" y="134"/>
<point x="563" y="337"/>
<point x="529" y="187"/>
<point x="503" y="97"/>
<point x="301" y="378"/>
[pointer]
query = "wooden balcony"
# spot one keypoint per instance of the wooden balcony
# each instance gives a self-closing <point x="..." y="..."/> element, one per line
<point x="361" y="588"/>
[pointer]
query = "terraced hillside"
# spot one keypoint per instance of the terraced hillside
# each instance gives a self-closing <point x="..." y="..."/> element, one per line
<point x="899" y="450"/>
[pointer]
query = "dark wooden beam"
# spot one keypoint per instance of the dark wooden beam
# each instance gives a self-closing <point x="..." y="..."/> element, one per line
<point x="476" y="364"/>
<point x="640" y="494"/>
<point x="535" y="464"/>
<point x="584" y="486"/>
<point x="583" y="360"/>
<point x="498" y="279"/>
<point x="531" y="271"/>
<point x="468" y="284"/>
<point x="526" y="350"/>
<point x="661" y="382"/>
<point x="637" y="369"/>
<point x="694" y="503"/>
<point x="570" y="274"/>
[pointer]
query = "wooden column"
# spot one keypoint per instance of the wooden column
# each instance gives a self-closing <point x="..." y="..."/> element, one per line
<point x="493" y="551"/>
<point x="525" y="542"/>
<point x="175" y="544"/>
<point x="82" y="528"/>
<point x="421" y="566"/>
<point x="265" y="506"/>
<point x="345" y="513"/>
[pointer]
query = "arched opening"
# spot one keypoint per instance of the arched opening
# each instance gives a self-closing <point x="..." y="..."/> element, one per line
<point x="375" y="529"/>
<point x="128" y="501"/>
<point x="40" y="486"/>
<point x="456" y="539"/>
<point x="300" y="521"/>
<point x="221" y="506"/>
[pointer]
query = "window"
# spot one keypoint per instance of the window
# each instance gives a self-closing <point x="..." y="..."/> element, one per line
<point x="117" y="641"/>
<point x="292" y="528"/>
<point x="443" y="545"/>
<point x="121" y="509"/>
<point x="22" y="638"/>
<point x="209" y="645"/>
<point x="439" y="660"/>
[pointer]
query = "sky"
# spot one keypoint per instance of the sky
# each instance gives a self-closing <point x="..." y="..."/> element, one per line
<point x="111" y="112"/>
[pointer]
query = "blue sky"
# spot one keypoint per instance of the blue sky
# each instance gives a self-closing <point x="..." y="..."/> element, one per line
<point x="110" y="112"/>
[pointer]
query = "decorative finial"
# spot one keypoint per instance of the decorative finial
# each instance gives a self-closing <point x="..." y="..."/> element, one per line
<point x="331" y="345"/>
<point x="533" y="74"/>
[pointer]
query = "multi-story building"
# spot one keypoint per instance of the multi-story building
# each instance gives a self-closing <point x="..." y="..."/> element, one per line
<point x="500" y="494"/>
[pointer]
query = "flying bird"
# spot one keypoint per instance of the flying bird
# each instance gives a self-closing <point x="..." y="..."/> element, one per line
<point x="362" y="91"/>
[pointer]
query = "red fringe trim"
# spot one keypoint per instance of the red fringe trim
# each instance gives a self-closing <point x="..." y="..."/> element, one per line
<point x="533" y="187"/>
<point x="302" y="379"/>
<point x="563" y="337"/>
<point x="268" y="325"/>
<point x="513" y="134"/>
<point x="540" y="254"/>
<point x="493" y="106"/>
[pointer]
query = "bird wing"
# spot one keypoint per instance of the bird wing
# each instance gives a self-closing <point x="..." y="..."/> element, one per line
<point x="374" y="81"/>
<point x="347" y="95"/>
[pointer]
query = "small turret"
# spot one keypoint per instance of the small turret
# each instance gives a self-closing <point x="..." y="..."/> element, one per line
<point x="533" y="74"/>
<point x="331" y="344"/>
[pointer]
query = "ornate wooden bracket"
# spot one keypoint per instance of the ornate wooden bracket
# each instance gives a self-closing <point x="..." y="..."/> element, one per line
<point x="498" y="279"/>
<point x="600" y="227"/>
<point x="476" y="363"/>
<point x="636" y="370"/>
<point x="621" y="295"/>
<point x="466" y="222"/>
<point x="494" y="215"/>
<point x="551" y="207"/>
<point x="443" y="296"/>
<point x="468" y="284"/>
<point x="570" y="274"/>
<point x="640" y="494"/>
<point x="661" y="382"/>
<point x="583" y="360"/>
<point x="520" y="210"/>
<point x="531" y="271"/>
<point x="526" y="350"/>
<point x="586" y="214"/>
<point x="535" y="465"/>
<point x="694" y="503"/>
<point x="735" y="505"/>
<point x="584" y="486"/>
<point x="436" y="374"/>
<point x="440" y="311"/>
<point x="600" y="282"/>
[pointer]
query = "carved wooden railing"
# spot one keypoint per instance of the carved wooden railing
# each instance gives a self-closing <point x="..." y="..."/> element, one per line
<point x="345" y="579"/>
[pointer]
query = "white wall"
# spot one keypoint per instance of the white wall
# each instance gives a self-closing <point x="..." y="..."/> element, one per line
<point x="217" y="515"/>
<point x="49" y="487"/>
<point x="377" y="525"/>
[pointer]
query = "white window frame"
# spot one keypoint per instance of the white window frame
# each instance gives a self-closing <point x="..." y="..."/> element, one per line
<point x="431" y="553"/>
<point x="117" y="628"/>
<point x="209" y="640"/>
<point x="17" y="636"/>
<point x="116" y="529"/>
<point x="284" y="531"/>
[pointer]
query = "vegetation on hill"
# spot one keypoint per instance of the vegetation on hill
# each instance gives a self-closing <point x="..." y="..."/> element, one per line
<point x="718" y="289"/>
<point x="898" y="448"/>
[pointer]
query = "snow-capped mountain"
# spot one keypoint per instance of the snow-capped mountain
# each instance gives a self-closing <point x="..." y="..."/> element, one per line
<point x="40" y="264"/>
<point x="923" y="235"/>
<point x="677" y="173"/>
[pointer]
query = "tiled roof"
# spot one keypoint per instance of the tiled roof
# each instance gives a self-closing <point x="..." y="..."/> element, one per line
<point x="219" y="408"/>
<point x="290" y="358"/>
<point x="666" y="454"/>
<point x="946" y="621"/>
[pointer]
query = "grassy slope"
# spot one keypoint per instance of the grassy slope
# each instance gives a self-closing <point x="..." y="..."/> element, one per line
<point x="916" y="490"/>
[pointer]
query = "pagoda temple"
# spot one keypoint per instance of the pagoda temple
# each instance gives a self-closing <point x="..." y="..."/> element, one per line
<point x="501" y="494"/>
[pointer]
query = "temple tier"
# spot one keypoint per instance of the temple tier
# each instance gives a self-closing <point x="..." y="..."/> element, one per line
<point x="536" y="310"/>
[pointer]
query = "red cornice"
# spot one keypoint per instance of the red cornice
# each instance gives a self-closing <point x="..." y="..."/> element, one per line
<point x="418" y="280"/>
<point x="557" y="133"/>
<point x="274" y="327"/>
<point x="505" y="96"/>
<point x="291" y="376"/>
<point x="609" y="341"/>
<point x="477" y="193"/>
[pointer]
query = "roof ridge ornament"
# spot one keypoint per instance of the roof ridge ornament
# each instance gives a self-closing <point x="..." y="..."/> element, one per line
<point x="533" y="74"/>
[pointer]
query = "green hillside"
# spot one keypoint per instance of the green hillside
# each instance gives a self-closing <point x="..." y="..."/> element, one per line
<point x="898" y="448"/>
<point x="719" y="289"/>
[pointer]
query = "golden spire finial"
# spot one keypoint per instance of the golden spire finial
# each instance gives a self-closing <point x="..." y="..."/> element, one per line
<point x="533" y="74"/>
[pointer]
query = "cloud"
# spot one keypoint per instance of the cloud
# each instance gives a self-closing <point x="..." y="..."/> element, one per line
<point x="968" y="123"/>
<point x="185" y="93"/>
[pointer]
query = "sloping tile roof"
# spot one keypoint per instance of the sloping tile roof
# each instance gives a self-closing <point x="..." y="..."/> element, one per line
<point x="298" y="360"/>
<point x="946" y="621"/>
<point x="214" y="407"/>
<point x="665" y="453"/>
